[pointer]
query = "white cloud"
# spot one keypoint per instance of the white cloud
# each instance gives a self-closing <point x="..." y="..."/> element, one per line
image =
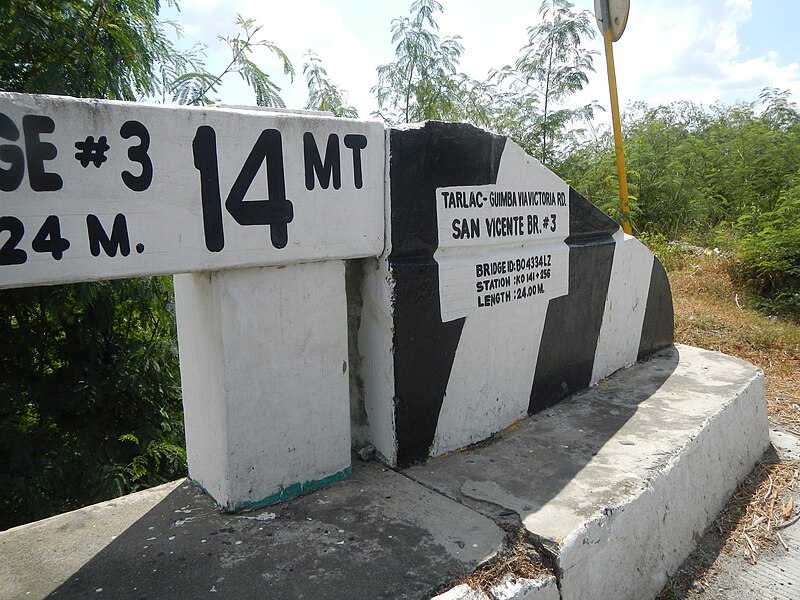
<point x="692" y="51"/>
<point x="740" y="9"/>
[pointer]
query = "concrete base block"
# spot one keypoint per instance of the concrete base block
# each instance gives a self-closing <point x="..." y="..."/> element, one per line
<point x="618" y="482"/>
<point x="680" y="480"/>
<point x="265" y="387"/>
<point x="527" y="589"/>
<point x="461" y="592"/>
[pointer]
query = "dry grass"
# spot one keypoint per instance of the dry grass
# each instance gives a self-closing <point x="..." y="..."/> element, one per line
<point x="520" y="560"/>
<point x="761" y="506"/>
<point x="710" y="312"/>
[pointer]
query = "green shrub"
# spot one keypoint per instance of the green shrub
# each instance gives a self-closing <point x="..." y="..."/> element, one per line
<point x="768" y="252"/>
<point x="671" y="255"/>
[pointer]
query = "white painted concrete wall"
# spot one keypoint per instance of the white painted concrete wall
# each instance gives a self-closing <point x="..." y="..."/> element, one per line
<point x="375" y="338"/>
<point x="166" y="221"/>
<point x="621" y="330"/>
<point x="264" y="351"/>
<point x="123" y="189"/>
<point x="202" y="361"/>
<point x="266" y="394"/>
<point x="375" y="342"/>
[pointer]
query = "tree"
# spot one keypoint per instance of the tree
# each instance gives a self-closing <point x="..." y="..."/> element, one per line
<point x="424" y="82"/>
<point x="90" y="389"/>
<point x="767" y="234"/>
<point x="322" y="94"/>
<point x="90" y="403"/>
<point x="84" y="48"/>
<point x="551" y="67"/>
<point x="726" y="175"/>
<point x="779" y="109"/>
<point x="667" y="168"/>
<point x="193" y="87"/>
<point x="768" y="249"/>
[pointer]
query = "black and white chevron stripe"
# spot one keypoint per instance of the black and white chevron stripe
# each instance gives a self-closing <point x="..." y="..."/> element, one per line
<point x="457" y="382"/>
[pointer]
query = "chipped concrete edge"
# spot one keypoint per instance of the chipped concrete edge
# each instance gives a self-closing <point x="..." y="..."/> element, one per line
<point x="512" y="588"/>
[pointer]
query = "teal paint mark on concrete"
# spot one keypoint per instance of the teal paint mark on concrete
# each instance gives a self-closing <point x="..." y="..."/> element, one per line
<point x="291" y="491"/>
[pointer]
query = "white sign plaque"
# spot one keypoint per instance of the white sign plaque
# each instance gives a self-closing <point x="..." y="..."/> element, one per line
<point x="93" y="189"/>
<point x="501" y="244"/>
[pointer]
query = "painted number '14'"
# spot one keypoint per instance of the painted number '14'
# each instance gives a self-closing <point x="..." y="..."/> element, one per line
<point x="276" y="211"/>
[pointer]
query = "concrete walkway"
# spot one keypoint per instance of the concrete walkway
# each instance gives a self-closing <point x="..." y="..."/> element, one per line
<point x="376" y="535"/>
<point x="613" y="485"/>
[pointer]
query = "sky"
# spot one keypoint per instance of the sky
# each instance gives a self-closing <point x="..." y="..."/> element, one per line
<point x="705" y="51"/>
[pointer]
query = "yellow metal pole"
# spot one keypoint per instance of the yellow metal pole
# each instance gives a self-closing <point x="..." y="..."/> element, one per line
<point x="623" y="179"/>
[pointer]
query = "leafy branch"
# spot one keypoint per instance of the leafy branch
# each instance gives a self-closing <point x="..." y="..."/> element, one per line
<point x="322" y="94"/>
<point x="194" y="87"/>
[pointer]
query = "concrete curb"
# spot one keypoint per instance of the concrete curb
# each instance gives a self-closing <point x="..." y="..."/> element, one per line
<point x="648" y="536"/>
<point x="617" y="487"/>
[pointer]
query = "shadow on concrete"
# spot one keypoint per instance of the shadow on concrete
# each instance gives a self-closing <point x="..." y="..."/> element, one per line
<point x="380" y="534"/>
<point x="526" y="466"/>
<point x="375" y="535"/>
